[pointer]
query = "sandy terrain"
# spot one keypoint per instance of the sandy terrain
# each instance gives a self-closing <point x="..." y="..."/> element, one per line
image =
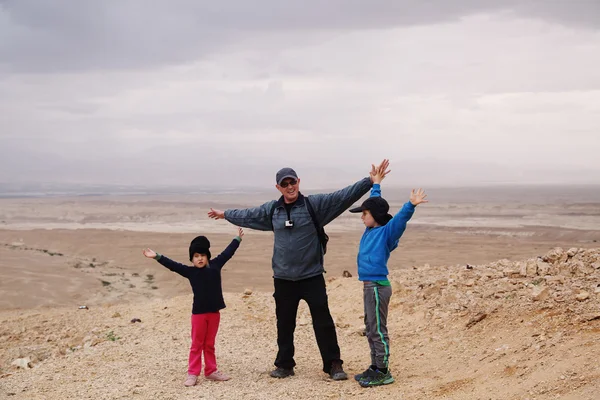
<point x="99" y="266"/>
<point x="505" y="330"/>
<point x="538" y="339"/>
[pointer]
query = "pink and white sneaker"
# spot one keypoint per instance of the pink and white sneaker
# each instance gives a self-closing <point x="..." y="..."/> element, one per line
<point x="191" y="380"/>
<point x="218" y="376"/>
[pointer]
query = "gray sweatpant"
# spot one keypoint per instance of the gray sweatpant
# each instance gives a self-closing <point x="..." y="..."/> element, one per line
<point x="377" y="301"/>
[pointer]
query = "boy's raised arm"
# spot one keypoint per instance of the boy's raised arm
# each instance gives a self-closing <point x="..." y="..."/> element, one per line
<point x="397" y="225"/>
<point x="377" y="175"/>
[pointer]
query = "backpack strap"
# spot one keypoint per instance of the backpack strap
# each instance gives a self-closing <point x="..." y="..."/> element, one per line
<point x="271" y="216"/>
<point x="323" y="237"/>
<point x="311" y="211"/>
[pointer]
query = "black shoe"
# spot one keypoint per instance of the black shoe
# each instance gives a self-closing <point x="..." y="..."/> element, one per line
<point x="282" y="372"/>
<point x="376" y="378"/>
<point x="337" y="372"/>
<point x="366" y="372"/>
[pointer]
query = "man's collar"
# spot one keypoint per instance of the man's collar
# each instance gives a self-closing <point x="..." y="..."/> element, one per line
<point x="299" y="201"/>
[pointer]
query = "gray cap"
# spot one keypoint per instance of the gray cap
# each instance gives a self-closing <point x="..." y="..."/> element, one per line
<point x="285" y="173"/>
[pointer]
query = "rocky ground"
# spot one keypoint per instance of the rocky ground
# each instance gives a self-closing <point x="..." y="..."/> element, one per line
<point x="505" y="330"/>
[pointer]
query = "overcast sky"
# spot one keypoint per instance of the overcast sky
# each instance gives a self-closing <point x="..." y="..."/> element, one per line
<point x="208" y="93"/>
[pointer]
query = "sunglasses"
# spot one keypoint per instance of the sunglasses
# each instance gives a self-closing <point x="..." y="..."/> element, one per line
<point x="285" y="184"/>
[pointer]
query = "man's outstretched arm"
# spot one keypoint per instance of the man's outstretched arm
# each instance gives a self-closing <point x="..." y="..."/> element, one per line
<point x="253" y="218"/>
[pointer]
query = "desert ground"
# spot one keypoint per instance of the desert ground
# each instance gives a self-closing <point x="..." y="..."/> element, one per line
<point x="493" y="299"/>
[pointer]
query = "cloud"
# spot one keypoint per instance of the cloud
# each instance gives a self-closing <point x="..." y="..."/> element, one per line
<point x="136" y="34"/>
<point x="452" y="92"/>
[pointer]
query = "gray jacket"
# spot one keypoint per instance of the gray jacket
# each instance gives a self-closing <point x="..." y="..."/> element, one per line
<point x="297" y="252"/>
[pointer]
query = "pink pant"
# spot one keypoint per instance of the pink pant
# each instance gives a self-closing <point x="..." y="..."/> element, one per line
<point x="204" y="332"/>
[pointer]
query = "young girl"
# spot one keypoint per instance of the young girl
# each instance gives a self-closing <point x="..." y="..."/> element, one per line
<point x="205" y="279"/>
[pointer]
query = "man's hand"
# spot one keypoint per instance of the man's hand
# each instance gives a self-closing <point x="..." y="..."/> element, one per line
<point x="216" y="214"/>
<point x="149" y="253"/>
<point x="418" y="197"/>
<point x="240" y="233"/>
<point x="377" y="174"/>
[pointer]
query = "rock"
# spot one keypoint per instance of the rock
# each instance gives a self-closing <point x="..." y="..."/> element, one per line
<point x="247" y="292"/>
<point x="447" y="299"/>
<point x="572" y="251"/>
<point x="542" y="267"/>
<point x="597" y="290"/>
<point x="582" y="296"/>
<point x="576" y="268"/>
<point x="441" y="282"/>
<point x="470" y="282"/>
<point x="504" y="263"/>
<point x="554" y="280"/>
<point x="503" y="348"/>
<point x="528" y="268"/>
<point x="555" y="255"/>
<point x="540" y="293"/>
<point x="590" y="317"/>
<point x="431" y="291"/>
<point x="134" y="320"/>
<point x="116" y="315"/>
<point x="522" y="268"/>
<point x="476" y="319"/>
<point x="24" y="363"/>
<point x="580" y="267"/>
<point x="511" y="272"/>
<point x="346" y="274"/>
<point x="91" y="343"/>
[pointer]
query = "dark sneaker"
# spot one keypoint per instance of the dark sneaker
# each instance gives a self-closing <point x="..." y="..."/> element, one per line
<point x="282" y="372"/>
<point x="358" y="377"/>
<point x="337" y="372"/>
<point x="376" y="378"/>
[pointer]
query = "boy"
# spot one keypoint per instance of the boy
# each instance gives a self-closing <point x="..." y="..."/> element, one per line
<point x="381" y="237"/>
<point x="205" y="279"/>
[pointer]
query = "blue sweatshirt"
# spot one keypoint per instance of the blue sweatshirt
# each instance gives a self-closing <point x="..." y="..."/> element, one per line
<point x="205" y="282"/>
<point x="377" y="243"/>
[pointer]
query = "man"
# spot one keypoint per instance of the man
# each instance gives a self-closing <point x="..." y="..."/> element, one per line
<point x="298" y="261"/>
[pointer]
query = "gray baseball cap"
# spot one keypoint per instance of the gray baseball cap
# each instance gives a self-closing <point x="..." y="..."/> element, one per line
<point x="285" y="173"/>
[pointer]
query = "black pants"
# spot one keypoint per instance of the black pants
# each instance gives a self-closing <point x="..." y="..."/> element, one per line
<point x="287" y="298"/>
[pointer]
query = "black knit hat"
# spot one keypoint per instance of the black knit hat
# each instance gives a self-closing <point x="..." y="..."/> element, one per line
<point x="200" y="245"/>
<point x="378" y="207"/>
